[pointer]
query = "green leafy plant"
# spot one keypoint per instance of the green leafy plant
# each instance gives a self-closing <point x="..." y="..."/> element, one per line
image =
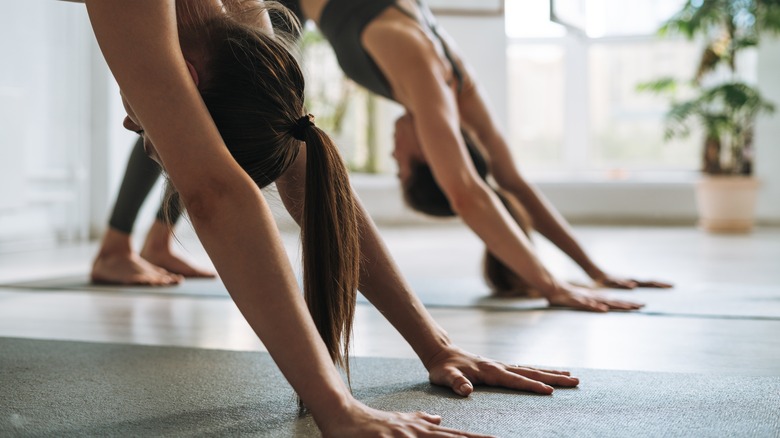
<point x="722" y="104"/>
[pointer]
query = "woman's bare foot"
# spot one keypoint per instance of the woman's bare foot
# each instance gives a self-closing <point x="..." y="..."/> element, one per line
<point x="169" y="261"/>
<point x="158" y="251"/>
<point x="130" y="269"/>
<point x="116" y="263"/>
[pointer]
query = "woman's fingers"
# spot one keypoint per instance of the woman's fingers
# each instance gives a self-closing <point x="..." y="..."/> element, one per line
<point x="619" y="284"/>
<point x="593" y="303"/>
<point x="433" y="429"/>
<point x="654" y="284"/>
<point x="563" y="373"/>
<point x="446" y="432"/>
<point x="433" y="419"/>
<point x="430" y="426"/>
<point x="632" y="283"/>
<point x="455" y="379"/>
<point x="499" y="376"/>
<point x="550" y="378"/>
<point x="623" y="305"/>
<point x="590" y="304"/>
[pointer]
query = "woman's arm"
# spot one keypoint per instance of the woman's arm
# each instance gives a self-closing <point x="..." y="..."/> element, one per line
<point x="412" y="67"/>
<point x="382" y="283"/>
<point x="546" y="220"/>
<point x="140" y="44"/>
<point x="411" y="64"/>
<point x="476" y="116"/>
<point x="139" y="41"/>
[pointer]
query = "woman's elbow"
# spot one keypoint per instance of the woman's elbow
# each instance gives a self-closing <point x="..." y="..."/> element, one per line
<point x="209" y="198"/>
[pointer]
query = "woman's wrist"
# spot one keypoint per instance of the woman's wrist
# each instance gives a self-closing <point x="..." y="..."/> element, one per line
<point x="554" y="288"/>
<point x="594" y="272"/>
<point x="333" y="411"/>
<point x="440" y="343"/>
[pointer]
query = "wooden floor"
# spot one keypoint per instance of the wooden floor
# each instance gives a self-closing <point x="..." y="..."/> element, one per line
<point x="685" y="256"/>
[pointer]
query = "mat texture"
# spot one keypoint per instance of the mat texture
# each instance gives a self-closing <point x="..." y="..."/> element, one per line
<point x="743" y="301"/>
<point x="58" y="388"/>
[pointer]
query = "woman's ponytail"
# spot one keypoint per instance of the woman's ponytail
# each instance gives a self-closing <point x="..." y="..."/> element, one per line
<point x="253" y="88"/>
<point x="331" y="247"/>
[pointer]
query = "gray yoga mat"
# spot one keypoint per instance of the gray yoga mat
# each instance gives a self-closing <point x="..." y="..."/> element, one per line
<point x="743" y="301"/>
<point x="58" y="388"/>
<point x="200" y="287"/>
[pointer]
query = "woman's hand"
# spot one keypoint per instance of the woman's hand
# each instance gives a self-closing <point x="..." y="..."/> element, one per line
<point x="461" y="371"/>
<point x="361" y="421"/>
<point x="580" y="298"/>
<point x="603" y="279"/>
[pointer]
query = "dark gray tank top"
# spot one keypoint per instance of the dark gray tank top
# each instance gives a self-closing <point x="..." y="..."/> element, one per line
<point x="342" y="23"/>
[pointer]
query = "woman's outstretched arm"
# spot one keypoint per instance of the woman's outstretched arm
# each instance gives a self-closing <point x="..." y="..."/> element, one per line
<point x="418" y="78"/>
<point x="382" y="283"/>
<point x="476" y="116"/>
<point x="140" y="44"/>
<point x="138" y="39"/>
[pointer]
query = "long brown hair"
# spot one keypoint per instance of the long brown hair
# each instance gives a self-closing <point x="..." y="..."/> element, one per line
<point x="253" y="88"/>
<point x="423" y="194"/>
<point x="504" y="282"/>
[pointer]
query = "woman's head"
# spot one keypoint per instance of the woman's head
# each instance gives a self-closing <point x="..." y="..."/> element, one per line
<point x="253" y="88"/>
<point x="420" y="190"/>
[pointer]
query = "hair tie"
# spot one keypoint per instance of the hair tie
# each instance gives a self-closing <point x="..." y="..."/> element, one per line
<point x="298" y="131"/>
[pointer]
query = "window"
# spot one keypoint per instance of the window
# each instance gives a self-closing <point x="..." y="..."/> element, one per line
<point x="573" y="104"/>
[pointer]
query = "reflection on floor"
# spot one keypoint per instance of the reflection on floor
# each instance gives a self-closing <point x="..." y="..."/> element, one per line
<point x="685" y="256"/>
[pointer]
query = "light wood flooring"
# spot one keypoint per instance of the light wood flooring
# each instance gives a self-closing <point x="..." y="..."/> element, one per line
<point x="560" y="338"/>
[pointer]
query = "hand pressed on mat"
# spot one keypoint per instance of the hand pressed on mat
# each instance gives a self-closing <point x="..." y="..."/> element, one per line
<point x="363" y="421"/>
<point x="461" y="371"/>
<point x="582" y="298"/>
<point x="604" y="279"/>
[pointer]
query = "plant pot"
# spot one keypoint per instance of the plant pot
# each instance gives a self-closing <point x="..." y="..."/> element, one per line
<point x="727" y="204"/>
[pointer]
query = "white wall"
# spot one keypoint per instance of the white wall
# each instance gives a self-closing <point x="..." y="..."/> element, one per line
<point x="768" y="132"/>
<point x="483" y="43"/>
<point x="44" y="122"/>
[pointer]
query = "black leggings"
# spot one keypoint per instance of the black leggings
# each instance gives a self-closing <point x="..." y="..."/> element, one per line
<point x="140" y="176"/>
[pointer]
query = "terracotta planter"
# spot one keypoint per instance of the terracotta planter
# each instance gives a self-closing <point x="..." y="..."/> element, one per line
<point x="727" y="204"/>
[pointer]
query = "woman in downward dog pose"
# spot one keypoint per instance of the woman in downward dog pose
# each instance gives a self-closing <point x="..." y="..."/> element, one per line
<point x="219" y="101"/>
<point x="395" y="49"/>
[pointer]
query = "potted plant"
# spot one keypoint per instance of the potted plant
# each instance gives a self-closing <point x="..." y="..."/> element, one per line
<point x="721" y="103"/>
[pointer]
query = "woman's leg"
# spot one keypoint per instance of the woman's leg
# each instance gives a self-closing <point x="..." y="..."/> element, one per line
<point x="158" y="247"/>
<point x="116" y="261"/>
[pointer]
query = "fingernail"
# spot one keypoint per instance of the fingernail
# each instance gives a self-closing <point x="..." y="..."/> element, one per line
<point x="464" y="388"/>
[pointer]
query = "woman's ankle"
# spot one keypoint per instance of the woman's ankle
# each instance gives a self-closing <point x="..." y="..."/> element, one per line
<point x="158" y="239"/>
<point x="115" y="242"/>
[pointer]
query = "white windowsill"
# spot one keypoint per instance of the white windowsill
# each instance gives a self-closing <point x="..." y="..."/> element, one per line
<point x="641" y="200"/>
